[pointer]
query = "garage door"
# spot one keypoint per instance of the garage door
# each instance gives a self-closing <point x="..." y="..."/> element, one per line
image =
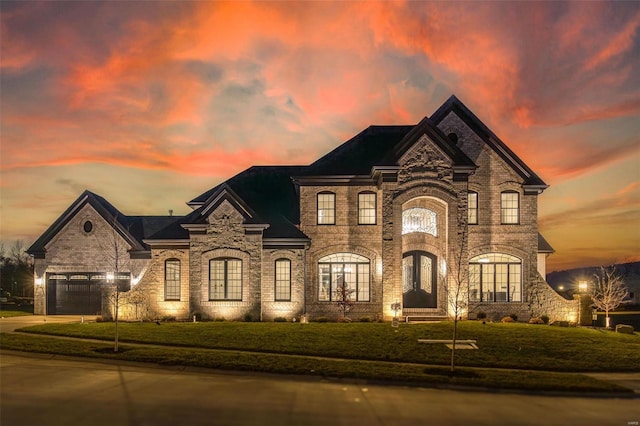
<point x="77" y="293"/>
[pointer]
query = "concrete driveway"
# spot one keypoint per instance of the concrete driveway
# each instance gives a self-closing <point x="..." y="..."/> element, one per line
<point x="9" y="324"/>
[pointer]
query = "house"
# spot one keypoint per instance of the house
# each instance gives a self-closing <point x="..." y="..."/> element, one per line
<point x="397" y="215"/>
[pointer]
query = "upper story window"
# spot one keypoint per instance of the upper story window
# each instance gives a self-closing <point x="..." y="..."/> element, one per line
<point x="348" y="269"/>
<point x="225" y="279"/>
<point x="283" y="280"/>
<point x="419" y="219"/>
<point x="326" y="208"/>
<point x="172" y="279"/>
<point x="472" y="208"/>
<point x="367" y="208"/>
<point x="509" y="207"/>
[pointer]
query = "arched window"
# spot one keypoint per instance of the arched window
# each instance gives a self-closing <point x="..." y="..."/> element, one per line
<point x="509" y="208"/>
<point x="172" y="279"/>
<point x="326" y="208"/>
<point x="367" y="208"/>
<point x="418" y="219"/>
<point x="282" y="291"/>
<point x="344" y="269"/>
<point x="495" y="277"/>
<point x="225" y="279"/>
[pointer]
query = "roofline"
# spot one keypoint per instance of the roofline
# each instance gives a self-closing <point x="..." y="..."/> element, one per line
<point x="453" y="104"/>
<point x="334" y="180"/>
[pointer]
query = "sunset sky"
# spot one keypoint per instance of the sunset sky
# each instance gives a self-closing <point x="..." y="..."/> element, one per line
<point x="150" y="104"/>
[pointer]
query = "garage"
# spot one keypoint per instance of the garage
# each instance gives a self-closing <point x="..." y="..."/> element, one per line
<point x="78" y="293"/>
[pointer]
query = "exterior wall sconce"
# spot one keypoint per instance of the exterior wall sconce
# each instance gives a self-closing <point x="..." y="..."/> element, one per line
<point x="110" y="277"/>
<point x="39" y="281"/>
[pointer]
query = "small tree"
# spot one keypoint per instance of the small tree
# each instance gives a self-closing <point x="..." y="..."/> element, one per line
<point x="116" y="257"/>
<point x="343" y="298"/>
<point x="457" y="284"/>
<point x="608" y="290"/>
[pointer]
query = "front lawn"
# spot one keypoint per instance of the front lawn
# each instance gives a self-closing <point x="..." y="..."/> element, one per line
<point x="12" y="310"/>
<point x="517" y="346"/>
<point x="377" y="371"/>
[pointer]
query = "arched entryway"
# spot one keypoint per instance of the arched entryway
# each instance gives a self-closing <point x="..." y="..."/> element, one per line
<point x="419" y="280"/>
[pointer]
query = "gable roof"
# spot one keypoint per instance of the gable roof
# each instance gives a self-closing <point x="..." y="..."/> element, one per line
<point x="132" y="228"/>
<point x="383" y="146"/>
<point x="453" y="104"/>
<point x="266" y="192"/>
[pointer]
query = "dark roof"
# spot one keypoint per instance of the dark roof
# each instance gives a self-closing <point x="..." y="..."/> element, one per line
<point x="358" y="155"/>
<point x="453" y="104"/>
<point x="267" y="190"/>
<point x="132" y="228"/>
<point x="543" y="245"/>
<point x="267" y="194"/>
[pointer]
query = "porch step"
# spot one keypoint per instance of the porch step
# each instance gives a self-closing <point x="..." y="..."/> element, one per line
<point x="417" y="319"/>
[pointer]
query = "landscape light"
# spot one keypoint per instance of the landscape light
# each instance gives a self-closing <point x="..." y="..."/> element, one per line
<point x="582" y="286"/>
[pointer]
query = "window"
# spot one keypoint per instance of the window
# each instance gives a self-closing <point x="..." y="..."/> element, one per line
<point x="225" y="279"/>
<point x="472" y="208"/>
<point x="419" y="220"/>
<point x="172" y="279"/>
<point x="495" y="277"/>
<point x="349" y="269"/>
<point x="509" y="208"/>
<point x="283" y="280"/>
<point x="326" y="208"/>
<point x="367" y="208"/>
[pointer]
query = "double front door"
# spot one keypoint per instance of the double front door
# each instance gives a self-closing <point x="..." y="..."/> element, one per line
<point x="419" y="280"/>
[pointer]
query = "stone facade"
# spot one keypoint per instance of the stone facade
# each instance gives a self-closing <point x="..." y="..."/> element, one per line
<point x="429" y="168"/>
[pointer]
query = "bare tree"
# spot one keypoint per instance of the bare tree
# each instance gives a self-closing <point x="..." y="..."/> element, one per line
<point x="608" y="290"/>
<point x="456" y="284"/>
<point x="343" y="297"/>
<point x="117" y="257"/>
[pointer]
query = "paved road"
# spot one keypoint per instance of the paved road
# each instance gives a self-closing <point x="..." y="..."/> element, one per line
<point x="46" y="390"/>
<point x="9" y="324"/>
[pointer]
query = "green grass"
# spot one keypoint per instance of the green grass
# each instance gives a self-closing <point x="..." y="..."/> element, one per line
<point x="515" y="346"/>
<point x="378" y="371"/>
<point x="7" y="311"/>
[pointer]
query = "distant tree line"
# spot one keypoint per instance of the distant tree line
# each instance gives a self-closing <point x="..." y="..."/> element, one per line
<point x="16" y="270"/>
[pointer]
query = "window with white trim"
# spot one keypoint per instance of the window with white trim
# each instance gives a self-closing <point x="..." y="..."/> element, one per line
<point x="367" y="208"/>
<point x="172" y="279"/>
<point x="350" y="269"/>
<point x="472" y="208"/>
<point x="509" y="208"/>
<point x="225" y="279"/>
<point x="282" y="291"/>
<point x="495" y="277"/>
<point x="326" y="208"/>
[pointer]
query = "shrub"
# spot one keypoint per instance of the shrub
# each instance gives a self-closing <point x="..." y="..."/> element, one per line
<point x="365" y="319"/>
<point x="99" y="318"/>
<point x="545" y="319"/>
<point x="481" y="315"/>
<point x="279" y="319"/>
<point x="536" y="320"/>
<point x="168" y="318"/>
<point x="247" y="318"/>
<point x="344" y="319"/>
<point x="322" y="319"/>
<point x="514" y="317"/>
<point x="219" y="319"/>
<point x="507" y="319"/>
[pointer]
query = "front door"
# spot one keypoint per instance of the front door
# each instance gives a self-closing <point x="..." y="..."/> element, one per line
<point x="419" y="285"/>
